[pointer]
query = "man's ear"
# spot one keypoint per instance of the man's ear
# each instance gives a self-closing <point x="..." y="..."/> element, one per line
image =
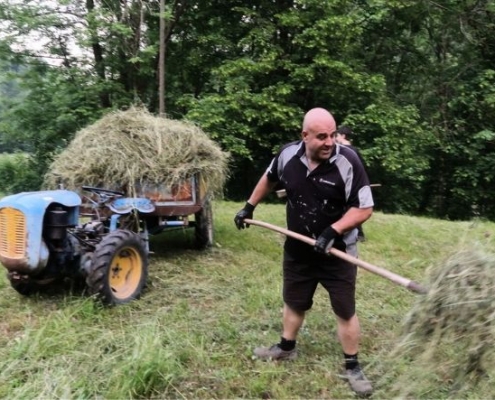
<point x="304" y="135"/>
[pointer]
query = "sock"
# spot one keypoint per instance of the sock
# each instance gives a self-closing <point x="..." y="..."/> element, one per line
<point x="287" y="345"/>
<point x="351" y="361"/>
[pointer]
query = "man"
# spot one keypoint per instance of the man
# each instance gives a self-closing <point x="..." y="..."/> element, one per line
<point x="344" y="136"/>
<point x="328" y="195"/>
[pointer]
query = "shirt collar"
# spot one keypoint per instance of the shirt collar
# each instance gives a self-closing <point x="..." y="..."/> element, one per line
<point x="301" y="153"/>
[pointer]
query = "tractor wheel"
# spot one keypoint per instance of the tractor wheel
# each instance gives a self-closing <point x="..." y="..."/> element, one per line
<point x="203" y="233"/>
<point x="23" y="286"/>
<point x="119" y="269"/>
<point x="26" y="285"/>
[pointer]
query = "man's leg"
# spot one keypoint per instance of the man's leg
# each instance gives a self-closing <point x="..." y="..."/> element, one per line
<point x="349" y="333"/>
<point x="292" y="321"/>
<point x="286" y="348"/>
<point x="298" y="290"/>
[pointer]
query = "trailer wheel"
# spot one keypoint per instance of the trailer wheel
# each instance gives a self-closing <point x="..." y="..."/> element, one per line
<point x="204" y="226"/>
<point x="119" y="269"/>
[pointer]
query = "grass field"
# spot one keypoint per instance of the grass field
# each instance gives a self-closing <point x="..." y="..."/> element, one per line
<point x="192" y="333"/>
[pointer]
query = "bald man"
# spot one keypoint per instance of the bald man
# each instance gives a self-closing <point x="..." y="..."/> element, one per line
<point x="328" y="196"/>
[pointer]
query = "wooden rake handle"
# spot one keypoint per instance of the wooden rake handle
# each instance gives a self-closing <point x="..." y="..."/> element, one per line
<point x="400" y="280"/>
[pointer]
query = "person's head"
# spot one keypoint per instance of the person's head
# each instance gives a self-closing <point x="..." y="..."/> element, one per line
<point x="344" y="135"/>
<point x="318" y="134"/>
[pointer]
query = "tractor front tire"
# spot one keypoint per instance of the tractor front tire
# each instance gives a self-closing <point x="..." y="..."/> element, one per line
<point x="27" y="285"/>
<point x="119" y="268"/>
<point x="203" y="233"/>
<point x="22" y="286"/>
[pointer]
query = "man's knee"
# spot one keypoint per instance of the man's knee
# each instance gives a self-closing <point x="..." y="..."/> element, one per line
<point x="344" y="310"/>
<point x="298" y="307"/>
<point x="346" y="319"/>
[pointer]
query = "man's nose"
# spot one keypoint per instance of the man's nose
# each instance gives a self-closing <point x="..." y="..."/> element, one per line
<point x="330" y="139"/>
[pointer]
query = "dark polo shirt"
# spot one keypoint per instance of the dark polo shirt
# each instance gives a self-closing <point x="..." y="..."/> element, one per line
<point x="316" y="199"/>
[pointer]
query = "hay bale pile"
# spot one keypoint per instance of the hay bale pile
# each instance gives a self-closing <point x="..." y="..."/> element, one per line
<point x="449" y="335"/>
<point x="125" y="148"/>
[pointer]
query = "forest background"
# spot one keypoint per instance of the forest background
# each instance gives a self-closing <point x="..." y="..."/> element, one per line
<point x="415" y="79"/>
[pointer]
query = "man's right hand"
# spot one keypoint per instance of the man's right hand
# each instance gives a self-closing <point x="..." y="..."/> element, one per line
<point x="325" y="241"/>
<point x="246" y="212"/>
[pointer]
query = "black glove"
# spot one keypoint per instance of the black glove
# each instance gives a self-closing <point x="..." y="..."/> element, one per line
<point x="246" y="212"/>
<point x="325" y="241"/>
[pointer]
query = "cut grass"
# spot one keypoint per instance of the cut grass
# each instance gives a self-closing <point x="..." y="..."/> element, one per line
<point x="192" y="333"/>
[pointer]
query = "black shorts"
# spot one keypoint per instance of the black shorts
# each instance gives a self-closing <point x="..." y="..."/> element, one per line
<point x="337" y="276"/>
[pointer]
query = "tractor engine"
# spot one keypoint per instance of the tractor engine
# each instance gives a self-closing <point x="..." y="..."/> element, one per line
<point x="64" y="249"/>
<point x="34" y="227"/>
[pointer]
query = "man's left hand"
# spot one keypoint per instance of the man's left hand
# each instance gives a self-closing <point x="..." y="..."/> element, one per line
<point x="325" y="241"/>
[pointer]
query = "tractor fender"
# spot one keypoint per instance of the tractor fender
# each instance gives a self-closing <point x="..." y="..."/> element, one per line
<point x="30" y="209"/>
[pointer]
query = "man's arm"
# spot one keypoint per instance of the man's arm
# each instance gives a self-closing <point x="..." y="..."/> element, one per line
<point x="352" y="218"/>
<point x="261" y="190"/>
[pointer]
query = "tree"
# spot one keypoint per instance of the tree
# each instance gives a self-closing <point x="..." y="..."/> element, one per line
<point x="438" y="57"/>
<point x="415" y="79"/>
<point x="285" y="58"/>
<point x="95" y="57"/>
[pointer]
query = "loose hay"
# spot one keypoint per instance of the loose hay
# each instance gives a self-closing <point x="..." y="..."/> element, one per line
<point x="448" y="336"/>
<point x="125" y="148"/>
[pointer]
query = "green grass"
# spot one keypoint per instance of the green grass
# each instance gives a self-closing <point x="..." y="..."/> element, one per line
<point x="192" y="333"/>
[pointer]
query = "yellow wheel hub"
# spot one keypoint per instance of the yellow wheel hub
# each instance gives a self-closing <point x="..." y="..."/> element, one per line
<point x="125" y="272"/>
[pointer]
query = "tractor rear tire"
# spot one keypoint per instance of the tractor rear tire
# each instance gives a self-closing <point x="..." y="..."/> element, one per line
<point x="203" y="233"/>
<point x="119" y="269"/>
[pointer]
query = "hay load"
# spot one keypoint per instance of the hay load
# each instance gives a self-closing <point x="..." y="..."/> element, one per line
<point x="448" y="336"/>
<point x="125" y="148"/>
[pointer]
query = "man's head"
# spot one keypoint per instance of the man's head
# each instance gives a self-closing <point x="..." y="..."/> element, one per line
<point x="318" y="134"/>
<point x="344" y="135"/>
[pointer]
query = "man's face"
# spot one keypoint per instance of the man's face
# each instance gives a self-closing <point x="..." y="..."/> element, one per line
<point x="319" y="141"/>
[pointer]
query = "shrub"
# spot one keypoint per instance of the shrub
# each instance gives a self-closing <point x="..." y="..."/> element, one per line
<point x="16" y="174"/>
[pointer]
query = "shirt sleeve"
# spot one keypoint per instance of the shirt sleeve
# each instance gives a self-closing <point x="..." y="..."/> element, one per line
<point x="272" y="170"/>
<point x="275" y="169"/>
<point x="360" y="195"/>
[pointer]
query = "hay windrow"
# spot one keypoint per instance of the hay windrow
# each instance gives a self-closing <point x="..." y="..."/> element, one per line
<point x="448" y="335"/>
<point x="125" y="148"/>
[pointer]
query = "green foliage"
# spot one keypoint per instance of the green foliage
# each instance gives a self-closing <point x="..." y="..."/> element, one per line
<point x="255" y="102"/>
<point x="43" y="121"/>
<point x="9" y="88"/>
<point x="437" y="58"/>
<point x="246" y="73"/>
<point x="396" y="148"/>
<point x="16" y="174"/>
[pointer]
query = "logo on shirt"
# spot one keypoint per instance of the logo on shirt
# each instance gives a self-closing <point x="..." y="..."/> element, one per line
<point x="326" y="182"/>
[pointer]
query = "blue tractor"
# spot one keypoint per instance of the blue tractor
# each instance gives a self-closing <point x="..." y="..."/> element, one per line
<point x="100" y="236"/>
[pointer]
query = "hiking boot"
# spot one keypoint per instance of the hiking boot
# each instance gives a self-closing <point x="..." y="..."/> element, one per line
<point x="275" y="353"/>
<point x="358" y="381"/>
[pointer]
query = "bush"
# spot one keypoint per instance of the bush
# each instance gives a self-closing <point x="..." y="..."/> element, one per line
<point x="17" y="174"/>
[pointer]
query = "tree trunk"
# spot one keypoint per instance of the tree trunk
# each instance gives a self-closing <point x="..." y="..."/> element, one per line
<point x="161" y="62"/>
